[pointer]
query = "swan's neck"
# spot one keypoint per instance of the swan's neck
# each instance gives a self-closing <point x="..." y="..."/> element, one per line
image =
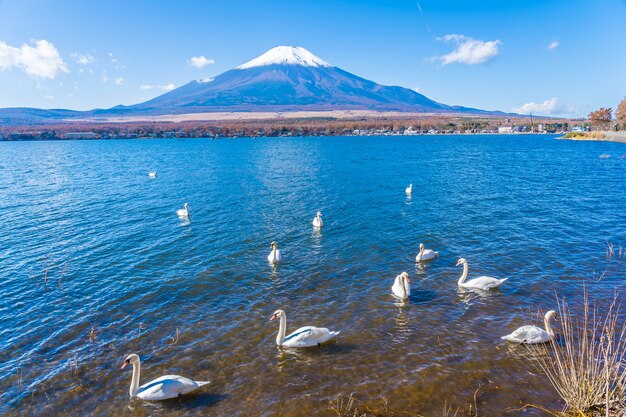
<point x="422" y="250"/>
<point x="281" y="330"/>
<point x="548" y="324"/>
<point x="464" y="274"/>
<point x="405" y="293"/>
<point x="134" y="382"/>
<point x="274" y="252"/>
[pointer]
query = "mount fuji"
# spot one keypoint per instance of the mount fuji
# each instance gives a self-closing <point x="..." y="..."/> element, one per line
<point x="289" y="78"/>
<point x="283" y="79"/>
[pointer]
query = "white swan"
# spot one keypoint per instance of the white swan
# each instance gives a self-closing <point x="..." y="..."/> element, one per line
<point x="304" y="336"/>
<point x="317" y="220"/>
<point x="401" y="287"/>
<point x="481" y="283"/>
<point x="163" y="388"/>
<point x="409" y="189"/>
<point x="425" y="254"/>
<point x="183" y="212"/>
<point x="533" y="334"/>
<point x="274" y="255"/>
<point x="152" y="174"/>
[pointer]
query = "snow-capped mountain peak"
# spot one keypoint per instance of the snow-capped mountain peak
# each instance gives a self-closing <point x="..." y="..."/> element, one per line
<point x="286" y="55"/>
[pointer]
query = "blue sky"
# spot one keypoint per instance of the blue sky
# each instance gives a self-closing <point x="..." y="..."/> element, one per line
<point x="548" y="57"/>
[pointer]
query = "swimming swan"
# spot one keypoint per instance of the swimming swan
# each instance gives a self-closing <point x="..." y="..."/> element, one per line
<point x="163" y="388"/>
<point x="533" y="334"/>
<point x="481" y="283"/>
<point x="303" y="337"/>
<point x="409" y="189"/>
<point x="183" y="212"/>
<point x="152" y="174"/>
<point x="401" y="287"/>
<point x="274" y="255"/>
<point x="425" y="254"/>
<point x="317" y="220"/>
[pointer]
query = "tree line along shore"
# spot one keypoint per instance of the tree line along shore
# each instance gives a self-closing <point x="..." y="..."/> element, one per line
<point x="316" y="126"/>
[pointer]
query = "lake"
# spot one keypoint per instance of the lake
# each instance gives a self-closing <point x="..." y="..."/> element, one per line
<point x="95" y="264"/>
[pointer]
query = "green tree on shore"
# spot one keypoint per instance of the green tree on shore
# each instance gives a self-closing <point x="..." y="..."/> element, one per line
<point x="620" y="114"/>
<point x="601" y="118"/>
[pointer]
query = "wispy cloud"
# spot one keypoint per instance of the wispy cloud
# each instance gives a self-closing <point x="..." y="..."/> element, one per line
<point x="468" y="50"/>
<point x="553" y="45"/>
<point x="200" y="61"/>
<point x="120" y="81"/>
<point x="82" y="59"/>
<point x="41" y="60"/>
<point x="550" y="107"/>
<point x="164" y="87"/>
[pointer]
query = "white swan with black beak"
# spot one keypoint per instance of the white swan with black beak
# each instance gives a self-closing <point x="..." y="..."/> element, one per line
<point x="401" y="287"/>
<point x="274" y="256"/>
<point x="481" y="283"/>
<point x="183" y="212"/>
<point x="533" y="334"/>
<point x="163" y="388"/>
<point x="303" y="337"/>
<point x="317" y="220"/>
<point x="425" y="255"/>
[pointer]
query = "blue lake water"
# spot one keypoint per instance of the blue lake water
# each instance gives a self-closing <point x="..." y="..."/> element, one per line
<point x="95" y="264"/>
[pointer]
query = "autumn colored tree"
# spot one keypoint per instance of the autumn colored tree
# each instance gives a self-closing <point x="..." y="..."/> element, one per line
<point x="620" y="113"/>
<point x="601" y="118"/>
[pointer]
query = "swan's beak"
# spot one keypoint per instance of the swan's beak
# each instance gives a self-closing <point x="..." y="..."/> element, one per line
<point x="125" y="364"/>
<point x="273" y="317"/>
<point x="408" y="279"/>
<point x="458" y="263"/>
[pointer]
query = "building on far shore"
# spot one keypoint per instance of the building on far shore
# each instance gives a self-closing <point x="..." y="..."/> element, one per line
<point x="505" y="129"/>
<point x="80" y="135"/>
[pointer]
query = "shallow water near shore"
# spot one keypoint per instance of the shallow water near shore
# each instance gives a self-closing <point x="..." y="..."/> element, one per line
<point x="95" y="264"/>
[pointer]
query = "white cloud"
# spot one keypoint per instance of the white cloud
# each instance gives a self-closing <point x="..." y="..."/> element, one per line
<point x="48" y="97"/>
<point x="164" y="87"/>
<point x="42" y="60"/>
<point x="104" y="76"/>
<point x="120" y="81"/>
<point x="82" y="59"/>
<point x="550" y="107"/>
<point x="553" y="45"/>
<point x="200" y="61"/>
<point x="468" y="50"/>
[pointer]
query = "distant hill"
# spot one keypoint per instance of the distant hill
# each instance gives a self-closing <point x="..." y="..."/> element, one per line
<point x="283" y="79"/>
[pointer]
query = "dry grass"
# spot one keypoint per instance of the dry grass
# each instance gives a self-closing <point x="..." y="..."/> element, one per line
<point x="351" y="407"/>
<point x="583" y="135"/>
<point x="613" y="252"/>
<point x="586" y="365"/>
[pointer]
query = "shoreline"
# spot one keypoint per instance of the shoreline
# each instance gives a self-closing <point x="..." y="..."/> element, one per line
<point x="601" y="136"/>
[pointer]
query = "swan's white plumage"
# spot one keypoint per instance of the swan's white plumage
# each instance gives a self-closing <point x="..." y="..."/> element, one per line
<point x="425" y="254"/>
<point x="530" y="334"/>
<point x="168" y="386"/>
<point x="317" y="220"/>
<point x="409" y="189"/>
<point x="162" y="388"/>
<point x="274" y="256"/>
<point x="303" y="337"/>
<point x="152" y="174"/>
<point x="481" y="283"/>
<point x="401" y="287"/>
<point x="184" y="212"/>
